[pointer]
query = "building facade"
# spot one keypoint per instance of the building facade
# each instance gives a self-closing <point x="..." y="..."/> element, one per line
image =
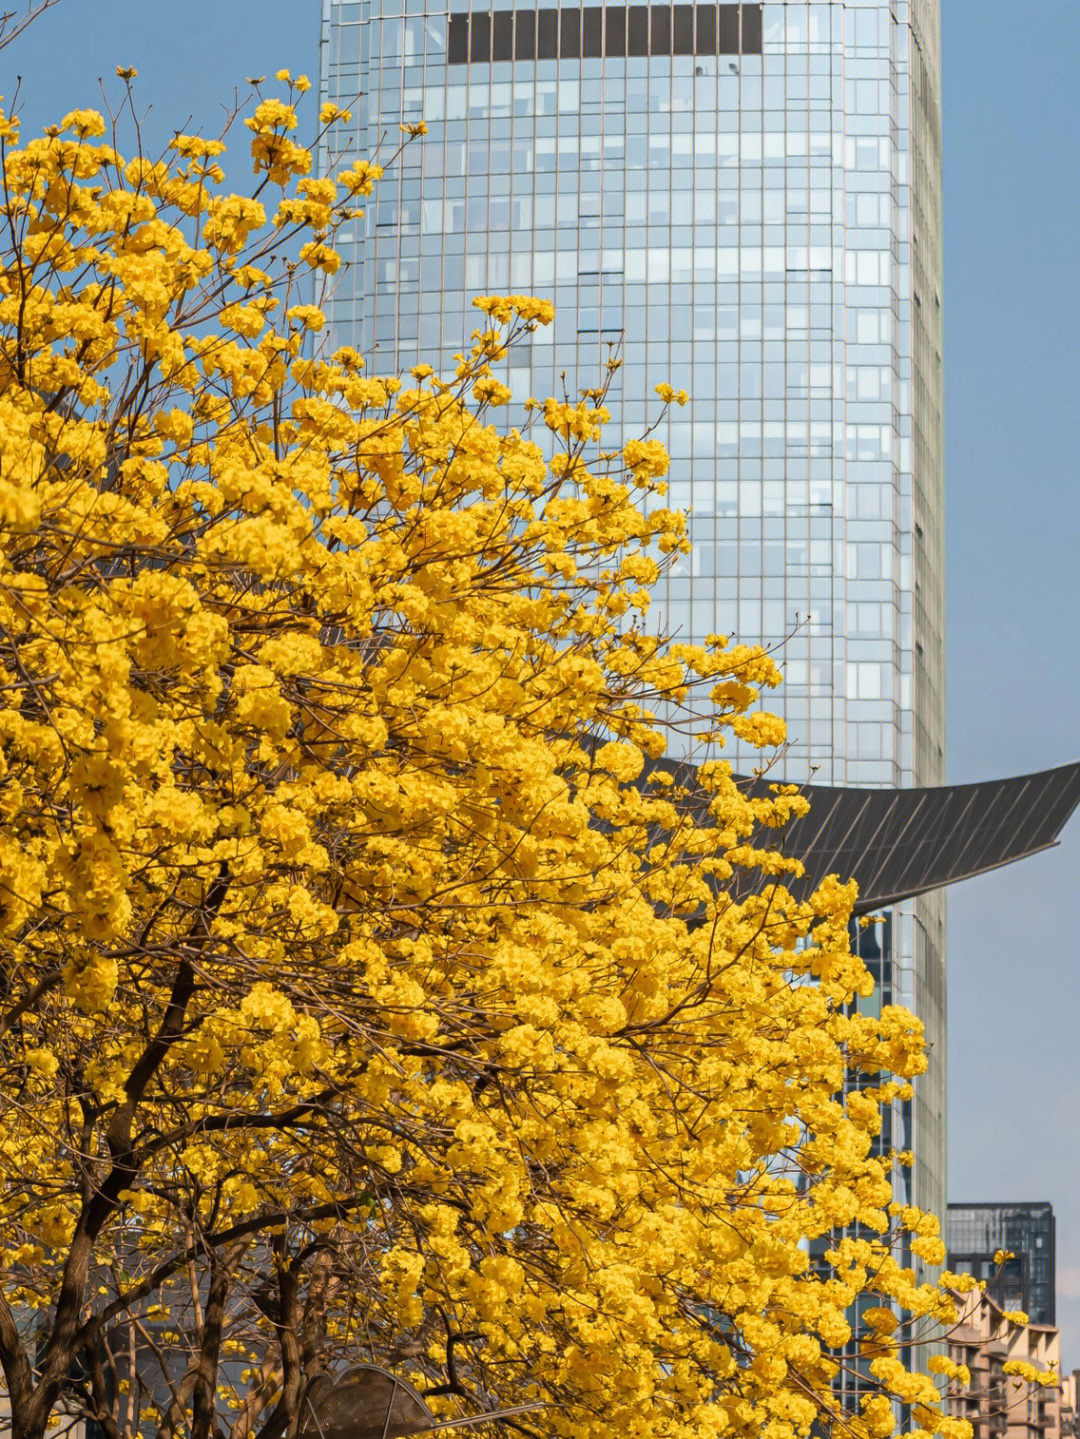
<point x="1069" y="1408"/>
<point x="745" y="201"/>
<point x="1026" y="1232"/>
<point x="995" y="1404"/>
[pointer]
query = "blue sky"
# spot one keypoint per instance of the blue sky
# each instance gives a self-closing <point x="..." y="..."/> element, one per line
<point x="1012" y="424"/>
<point x="1012" y="367"/>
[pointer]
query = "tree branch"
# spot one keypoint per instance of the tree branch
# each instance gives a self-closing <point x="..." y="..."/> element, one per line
<point x="102" y="1410"/>
<point x="224" y="1123"/>
<point x="283" y="1419"/>
<point x="168" y="1267"/>
<point x="32" y="13"/>
<point x="65" y="1335"/>
<point x="18" y="1374"/>
<point x="29" y="999"/>
<point x="205" y="1394"/>
<point x="256" y="1400"/>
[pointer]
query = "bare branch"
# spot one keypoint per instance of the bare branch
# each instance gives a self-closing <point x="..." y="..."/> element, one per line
<point x="11" y="31"/>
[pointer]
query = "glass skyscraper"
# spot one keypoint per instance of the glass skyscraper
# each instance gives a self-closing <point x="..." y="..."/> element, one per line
<point x="1026" y="1232"/>
<point x="746" y="200"/>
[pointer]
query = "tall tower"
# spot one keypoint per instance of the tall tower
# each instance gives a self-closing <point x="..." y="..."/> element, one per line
<point x="1026" y="1231"/>
<point x="747" y="200"/>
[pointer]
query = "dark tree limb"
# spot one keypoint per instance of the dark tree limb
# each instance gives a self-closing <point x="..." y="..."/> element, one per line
<point x="204" y="1396"/>
<point x="29" y="999"/>
<point x="99" y="1389"/>
<point x="256" y="1400"/>
<point x="18" y="1374"/>
<point x="453" y="1384"/>
<point x="124" y="1166"/>
<point x="284" y="1420"/>
<point x="168" y="1267"/>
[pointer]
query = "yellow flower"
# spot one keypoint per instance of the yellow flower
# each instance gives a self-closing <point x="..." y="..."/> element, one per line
<point x="85" y="123"/>
<point x="646" y="459"/>
<point x="491" y="392"/>
<point x="272" y="115"/>
<point x="361" y="177"/>
<point x="175" y="426"/>
<point x="321" y="257"/>
<point x="308" y="317"/>
<point x="43" y="1062"/>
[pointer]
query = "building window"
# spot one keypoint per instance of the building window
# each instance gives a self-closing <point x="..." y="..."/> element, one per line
<point x="595" y="31"/>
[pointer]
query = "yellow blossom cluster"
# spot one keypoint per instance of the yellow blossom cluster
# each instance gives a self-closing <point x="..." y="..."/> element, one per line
<point x="366" y="988"/>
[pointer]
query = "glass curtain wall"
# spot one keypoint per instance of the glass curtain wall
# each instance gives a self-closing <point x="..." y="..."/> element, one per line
<point x="1026" y="1280"/>
<point x="745" y="200"/>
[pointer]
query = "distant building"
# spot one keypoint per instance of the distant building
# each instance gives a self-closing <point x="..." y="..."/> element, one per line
<point x="975" y="1232"/>
<point x="996" y="1405"/>
<point x="1070" y="1404"/>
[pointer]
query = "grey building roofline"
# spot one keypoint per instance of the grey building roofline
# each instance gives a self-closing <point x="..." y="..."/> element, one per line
<point x="900" y="843"/>
<point x="1001" y="1204"/>
<point x="905" y="842"/>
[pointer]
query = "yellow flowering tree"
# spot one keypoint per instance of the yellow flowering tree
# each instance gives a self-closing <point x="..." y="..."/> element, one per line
<point x="366" y="992"/>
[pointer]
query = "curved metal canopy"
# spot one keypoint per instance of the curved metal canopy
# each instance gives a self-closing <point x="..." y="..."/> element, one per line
<point x="899" y="843"/>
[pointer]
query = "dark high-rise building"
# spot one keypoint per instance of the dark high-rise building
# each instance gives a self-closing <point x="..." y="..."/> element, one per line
<point x="1026" y="1231"/>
